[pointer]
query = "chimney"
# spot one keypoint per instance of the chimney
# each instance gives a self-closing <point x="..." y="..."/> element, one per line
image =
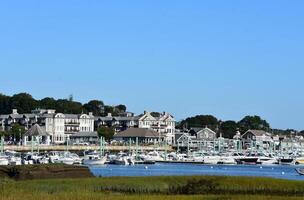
<point x="15" y="112"/>
<point x="109" y="115"/>
<point x="91" y="113"/>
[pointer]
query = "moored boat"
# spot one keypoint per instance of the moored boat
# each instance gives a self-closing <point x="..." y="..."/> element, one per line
<point x="299" y="161"/>
<point x="286" y="161"/>
<point x="94" y="159"/>
<point x="4" y="160"/>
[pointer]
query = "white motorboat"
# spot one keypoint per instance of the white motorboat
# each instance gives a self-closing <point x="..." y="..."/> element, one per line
<point x="53" y="156"/>
<point x="121" y="161"/>
<point x="267" y="160"/>
<point x="34" y="157"/>
<point x="44" y="160"/>
<point x="249" y="159"/>
<point x="211" y="159"/>
<point x="65" y="158"/>
<point x="4" y="160"/>
<point x="131" y="160"/>
<point x="227" y="160"/>
<point x="198" y="157"/>
<point x="77" y="159"/>
<point x="14" y="158"/>
<point x="183" y="157"/>
<point x="152" y="156"/>
<point x="94" y="159"/>
<point x="27" y="162"/>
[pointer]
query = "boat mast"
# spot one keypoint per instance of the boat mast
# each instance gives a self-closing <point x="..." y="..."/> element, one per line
<point x="2" y="144"/>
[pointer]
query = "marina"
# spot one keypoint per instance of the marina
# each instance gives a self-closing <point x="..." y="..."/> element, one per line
<point x="163" y="163"/>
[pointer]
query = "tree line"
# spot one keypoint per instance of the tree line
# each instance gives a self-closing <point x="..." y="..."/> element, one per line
<point x="25" y="103"/>
<point x="229" y="128"/>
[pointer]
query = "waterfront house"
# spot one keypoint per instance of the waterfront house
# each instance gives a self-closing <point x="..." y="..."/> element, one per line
<point x="163" y="124"/>
<point x="58" y="125"/>
<point x="206" y="134"/>
<point x="185" y="140"/>
<point x="257" y="138"/>
<point x="119" y="123"/>
<point x="61" y="126"/>
<point x="84" y="137"/>
<point x="144" y="136"/>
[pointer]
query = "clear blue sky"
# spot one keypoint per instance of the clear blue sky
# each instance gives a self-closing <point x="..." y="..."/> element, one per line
<point x="226" y="58"/>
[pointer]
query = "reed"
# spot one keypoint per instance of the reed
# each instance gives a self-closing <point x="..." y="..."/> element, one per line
<point x="189" y="187"/>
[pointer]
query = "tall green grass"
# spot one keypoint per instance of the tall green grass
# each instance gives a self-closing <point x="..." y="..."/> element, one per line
<point x="159" y="188"/>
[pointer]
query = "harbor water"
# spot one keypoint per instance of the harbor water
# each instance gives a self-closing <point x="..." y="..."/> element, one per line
<point x="273" y="171"/>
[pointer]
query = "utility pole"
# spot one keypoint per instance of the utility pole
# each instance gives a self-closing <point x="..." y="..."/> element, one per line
<point x="136" y="148"/>
<point x="32" y="144"/>
<point x="130" y="143"/>
<point x="101" y="146"/>
<point x="19" y="136"/>
<point x="165" y="149"/>
<point x="38" y="141"/>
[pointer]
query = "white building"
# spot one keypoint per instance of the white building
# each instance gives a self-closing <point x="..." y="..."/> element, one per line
<point x="206" y="134"/>
<point x="58" y="125"/>
<point x="164" y="124"/>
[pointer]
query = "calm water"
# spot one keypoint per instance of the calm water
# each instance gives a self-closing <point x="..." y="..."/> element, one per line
<point x="275" y="171"/>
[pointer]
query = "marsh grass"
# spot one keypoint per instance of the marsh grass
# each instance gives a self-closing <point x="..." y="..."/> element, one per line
<point x="146" y="188"/>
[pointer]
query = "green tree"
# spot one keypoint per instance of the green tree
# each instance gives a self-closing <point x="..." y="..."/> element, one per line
<point x="5" y="106"/>
<point x="121" y="108"/>
<point x="70" y="107"/>
<point x="200" y="121"/>
<point x="109" y="109"/>
<point x="2" y="133"/>
<point x="95" y="106"/>
<point x="47" y="103"/>
<point x="228" y="128"/>
<point x="253" y="122"/>
<point x="106" y="132"/>
<point x="24" y="102"/>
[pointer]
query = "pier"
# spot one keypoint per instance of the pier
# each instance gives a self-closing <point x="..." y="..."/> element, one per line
<point x="82" y="148"/>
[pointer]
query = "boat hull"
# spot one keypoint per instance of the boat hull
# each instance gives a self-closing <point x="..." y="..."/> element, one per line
<point x="247" y="160"/>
